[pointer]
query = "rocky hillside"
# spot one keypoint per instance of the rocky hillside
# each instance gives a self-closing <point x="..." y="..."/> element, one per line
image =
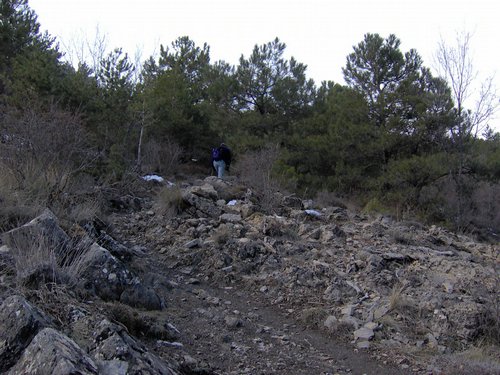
<point x="209" y="283"/>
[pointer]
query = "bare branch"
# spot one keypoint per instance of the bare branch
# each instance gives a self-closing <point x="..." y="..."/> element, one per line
<point x="454" y="64"/>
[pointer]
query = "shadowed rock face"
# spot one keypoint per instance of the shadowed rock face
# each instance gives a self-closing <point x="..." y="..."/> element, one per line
<point x="106" y="275"/>
<point x="51" y="352"/>
<point x="19" y="323"/>
<point x="113" y="347"/>
<point x="379" y="284"/>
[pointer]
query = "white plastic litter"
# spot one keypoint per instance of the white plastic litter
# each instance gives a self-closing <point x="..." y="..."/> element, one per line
<point x="313" y="213"/>
<point x="153" y="177"/>
<point x="232" y="203"/>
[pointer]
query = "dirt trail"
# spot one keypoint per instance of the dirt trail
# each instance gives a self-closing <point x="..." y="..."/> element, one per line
<point x="238" y="333"/>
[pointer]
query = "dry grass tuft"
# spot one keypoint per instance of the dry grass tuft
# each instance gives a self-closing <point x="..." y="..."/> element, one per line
<point x="313" y="316"/>
<point x="404" y="313"/>
<point x="54" y="299"/>
<point x="168" y="201"/>
<point x="396" y="299"/>
<point x="340" y="329"/>
<point x="151" y="325"/>
<point x="17" y="204"/>
<point x="475" y="361"/>
<point x="221" y="235"/>
<point x="401" y="237"/>
<point x="48" y="261"/>
<point x="84" y="211"/>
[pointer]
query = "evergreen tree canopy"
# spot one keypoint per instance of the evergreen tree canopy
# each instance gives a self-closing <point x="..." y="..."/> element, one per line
<point x="272" y="87"/>
<point x="23" y="49"/>
<point x="405" y="100"/>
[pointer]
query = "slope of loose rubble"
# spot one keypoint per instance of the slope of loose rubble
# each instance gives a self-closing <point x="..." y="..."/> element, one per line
<point x="399" y="288"/>
<point x="222" y="287"/>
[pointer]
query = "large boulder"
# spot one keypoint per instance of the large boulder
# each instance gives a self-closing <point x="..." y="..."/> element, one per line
<point x="52" y="353"/>
<point x="106" y="275"/>
<point x="205" y="191"/>
<point x="199" y="205"/>
<point x="37" y="248"/>
<point x="116" y="351"/>
<point x="227" y="188"/>
<point x="97" y="232"/>
<point x="44" y="229"/>
<point x="19" y="323"/>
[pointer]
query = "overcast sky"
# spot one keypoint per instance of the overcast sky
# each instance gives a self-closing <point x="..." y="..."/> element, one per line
<point x="318" y="33"/>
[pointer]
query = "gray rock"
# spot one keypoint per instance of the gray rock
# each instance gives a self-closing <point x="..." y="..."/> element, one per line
<point x="53" y="353"/>
<point x="330" y="322"/>
<point x="204" y="206"/>
<point x="114" y="247"/>
<point x="113" y="367"/>
<point x="275" y="226"/>
<point x="113" y="343"/>
<point x="397" y="257"/>
<point x="244" y="209"/>
<point x="431" y="341"/>
<point x="374" y="263"/>
<point x="106" y="275"/>
<point x="293" y="202"/>
<point x="380" y="311"/>
<point x="205" y="191"/>
<point x="363" y="345"/>
<point x="19" y="323"/>
<point x="226" y="188"/>
<point x="193" y="243"/>
<point x="44" y="229"/>
<point x="250" y="249"/>
<point x="233" y="322"/>
<point x="230" y="218"/>
<point x="363" y="334"/>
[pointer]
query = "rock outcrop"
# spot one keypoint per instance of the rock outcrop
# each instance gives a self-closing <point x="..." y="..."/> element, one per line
<point x="19" y="323"/>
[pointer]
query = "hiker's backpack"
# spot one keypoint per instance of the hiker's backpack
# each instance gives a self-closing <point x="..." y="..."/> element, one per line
<point x="216" y="154"/>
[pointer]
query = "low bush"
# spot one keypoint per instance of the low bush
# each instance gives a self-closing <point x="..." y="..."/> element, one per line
<point x="329" y="199"/>
<point x="168" y="201"/>
<point x="256" y="170"/>
<point x="42" y="153"/>
<point x="162" y="158"/>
